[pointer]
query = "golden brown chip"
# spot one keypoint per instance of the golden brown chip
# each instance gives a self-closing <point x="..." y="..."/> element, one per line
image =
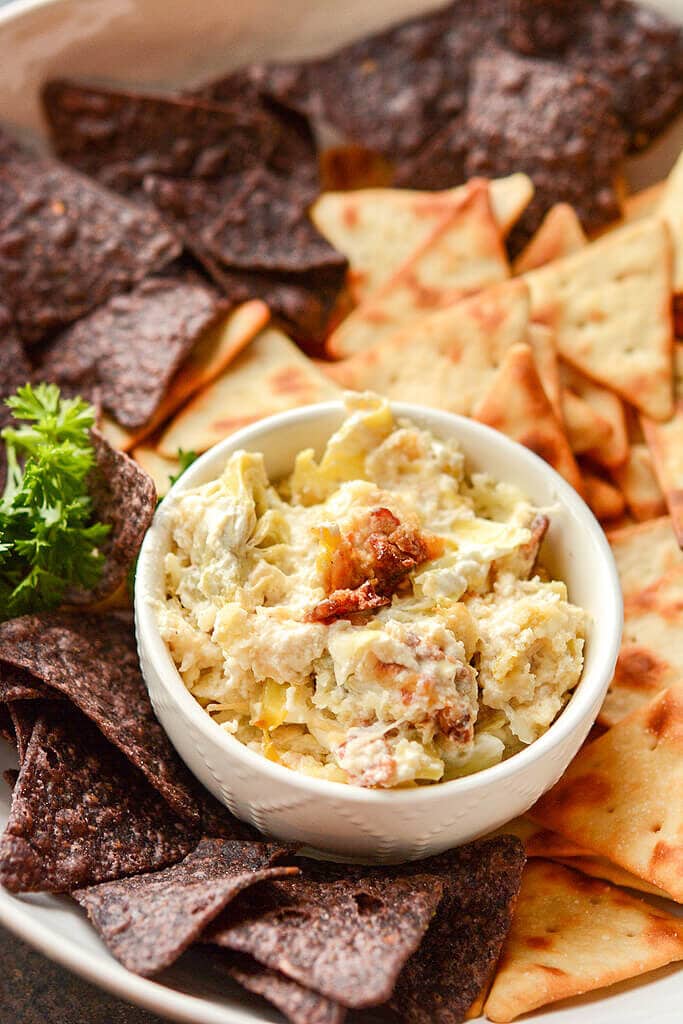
<point x="638" y="483"/>
<point x="644" y="553"/>
<point x="605" y="500"/>
<point x="462" y="255"/>
<point x="619" y="796"/>
<point x="560" y="234"/>
<point x="651" y="655"/>
<point x="600" y="867"/>
<point x="377" y="229"/>
<point x="613" y="450"/>
<point x="447" y="360"/>
<point x="517" y="405"/>
<point x="572" y="934"/>
<point x="269" y="376"/>
<point x="671" y="209"/>
<point x="665" y="441"/>
<point x="586" y="428"/>
<point x="610" y="307"/>
<point x="539" y="841"/>
<point x="542" y="342"/>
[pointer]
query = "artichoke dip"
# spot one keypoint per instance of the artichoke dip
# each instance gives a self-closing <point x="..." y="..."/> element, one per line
<point x="379" y="617"/>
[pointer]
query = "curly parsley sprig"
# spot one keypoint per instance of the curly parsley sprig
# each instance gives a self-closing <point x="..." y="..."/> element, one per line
<point x="48" y="540"/>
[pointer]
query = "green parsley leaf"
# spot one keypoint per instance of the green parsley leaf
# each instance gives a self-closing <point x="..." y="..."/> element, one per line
<point x="48" y="540"/>
<point x="185" y="460"/>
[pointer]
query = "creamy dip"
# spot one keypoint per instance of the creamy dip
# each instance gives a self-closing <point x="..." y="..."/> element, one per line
<point x="378" y="618"/>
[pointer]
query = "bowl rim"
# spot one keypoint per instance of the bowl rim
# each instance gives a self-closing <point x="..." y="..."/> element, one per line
<point x="583" y="702"/>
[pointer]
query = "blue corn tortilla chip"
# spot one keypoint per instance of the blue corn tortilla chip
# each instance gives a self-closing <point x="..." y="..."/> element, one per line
<point x="81" y="813"/>
<point x="299" y="1005"/>
<point x="92" y="659"/>
<point x="67" y="244"/>
<point x="119" y="135"/>
<point x="444" y="976"/>
<point x="130" y="348"/>
<point x="149" y="920"/>
<point x="17" y="684"/>
<point x="346" y="934"/>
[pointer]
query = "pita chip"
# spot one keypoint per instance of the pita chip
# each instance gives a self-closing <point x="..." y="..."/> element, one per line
<point x="619" y="795"/>
<point x="159" y="468"/>
<point x="447" y="360"/>
<point x="671" y="209"/>
<point x="560" y="234"/>
<point x="586" y="428"/>
<point x="613" y="449"/>
<point x="378" y="229"/>
<point x="542" y="342"/>
<point x="271" y="375"/>
<point x="209" y="357"/>
<point x="463" y="254"/>
<point x="665" y="441"/>
<point x="610" y="307"/>
<point x="638" y="483"/>
<point x="644" y="553"/>
<point x="572" y="934"/>
<point x="605" y="500"/>
<point x="539" y="841"/>
<point x="600" y="867"/>
<point x="651" y="654"/>
<point x="517" y="405"/>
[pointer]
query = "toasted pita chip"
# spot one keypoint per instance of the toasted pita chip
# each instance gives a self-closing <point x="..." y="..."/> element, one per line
<point x="560" y="234"/>
<point x="378" y="229"/>
<point x="462" y="255"/>
<point x="541" y="842"/>
<point x="665" y="441"/>
<point x="517" y="406"/>
<point x="586" y="429"/>
<point x="651" y="655"/>
<point x="610" y="306"/>
<point x="271" y="375"/>
<point x="638" y="483"/>
<point x="542" y="342"/>
<point x="644" y="553"/>
<point x="605" y="500"/>
<point x="448" y="359"/>
<point x="671" y="209"/>
<point x="571" y="934"/>
<point x="600" y="867"/>
<point x="613" y="450"/>
<point x="636" y="206"/>
<point x="618" y="796"/>
<point x="159" y="468"/>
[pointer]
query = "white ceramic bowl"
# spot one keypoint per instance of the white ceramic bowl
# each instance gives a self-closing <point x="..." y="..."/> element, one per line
<point x="385" y="825"/>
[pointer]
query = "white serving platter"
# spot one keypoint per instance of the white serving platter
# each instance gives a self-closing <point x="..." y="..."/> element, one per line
<point x="168" y="43"/>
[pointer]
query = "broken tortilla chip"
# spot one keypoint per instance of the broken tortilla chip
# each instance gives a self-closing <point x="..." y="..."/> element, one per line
<point x="610" y="307"/>
<point x="379" y="229"/>
<point x="299" y="1005"/>
<point x="447" y="360"/>
<point x="644" y="553"/>
<point x="616" y="796"/>
<point x="572" y="934"/>
<point x="269" y="376"/>
<point x="463" y="255"/>
<point x="559" y="234"/>
<point x="651" y="655"/>
<point x="147" y="921"/>
<point x="81" y="813"/>
<point x="665" y="441"/>
<point x="638" y="483"/>
<point x="517" y="406"/>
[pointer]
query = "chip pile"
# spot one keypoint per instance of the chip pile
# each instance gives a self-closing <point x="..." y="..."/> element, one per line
<point x="142" y="272"/>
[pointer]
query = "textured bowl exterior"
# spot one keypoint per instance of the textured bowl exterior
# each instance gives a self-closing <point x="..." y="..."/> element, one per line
<point x="374" y="825"/>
